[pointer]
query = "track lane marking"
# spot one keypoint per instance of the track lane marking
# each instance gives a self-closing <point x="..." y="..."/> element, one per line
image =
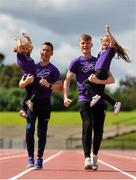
<point x="13" y="156"/>
<point x="121" y="156"/>
<point x="117" y="169"/>
<point x="30" y="169"/>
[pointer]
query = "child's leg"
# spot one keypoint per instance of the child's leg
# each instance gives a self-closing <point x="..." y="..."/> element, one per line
<point x="89" y="87"/>
<point x="32" y="98"/>
<point x="28" y="96"/>
<point x="101" y="90"/>
<point x="102" y="75"/>
<point x="37" y="87"/>
<point x="109" y="99"/>
<point x="93" y="91"/>
<point x="116" y="105"/>
<point x="24" y="107"/>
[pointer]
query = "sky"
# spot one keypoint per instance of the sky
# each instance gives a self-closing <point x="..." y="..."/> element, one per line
<point x="63" y="21"/>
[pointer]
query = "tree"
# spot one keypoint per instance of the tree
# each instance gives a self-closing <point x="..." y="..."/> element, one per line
<point x="126" y="93"/>
<point x="129" y="82"/>
<point x="10" y="76"/>
<point x="2" y="57"/>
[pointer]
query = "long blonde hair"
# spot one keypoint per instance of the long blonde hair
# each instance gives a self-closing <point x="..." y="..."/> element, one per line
<point x="120" y="51"/>
<point x="18" y="47"/>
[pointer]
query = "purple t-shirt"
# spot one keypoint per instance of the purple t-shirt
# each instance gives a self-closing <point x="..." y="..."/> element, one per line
<point x="104" y="59"/>
<point x="83" y="67"/>
<point x="26" y="63"/>
<point x="51" y="74"/>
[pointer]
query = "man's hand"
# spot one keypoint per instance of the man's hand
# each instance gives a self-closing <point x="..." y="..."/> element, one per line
<point x="44" y="82"/>
<point x="67" y="102"/>
<point x="92" y="78"/>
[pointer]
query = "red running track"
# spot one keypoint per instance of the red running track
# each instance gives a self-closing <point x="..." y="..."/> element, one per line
<point x="68" y="164"/>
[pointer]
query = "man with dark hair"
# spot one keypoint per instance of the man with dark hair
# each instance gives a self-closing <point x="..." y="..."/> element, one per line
<point x="49" y="78"/>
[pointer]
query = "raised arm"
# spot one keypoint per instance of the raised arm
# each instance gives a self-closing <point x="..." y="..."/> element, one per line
<point x="66" y="86"/>
<point x="26" y="35"/>
<point x="18" y="47"/>
<point x="112" y="39"/>
<point x="109" y="80"/>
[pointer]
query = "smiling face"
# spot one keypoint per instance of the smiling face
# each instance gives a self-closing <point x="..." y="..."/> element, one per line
<point x="105" y="42"/>
<point x="46" y="52"/>
<point x="86" y="44"/>
<point x="25" y="49"/>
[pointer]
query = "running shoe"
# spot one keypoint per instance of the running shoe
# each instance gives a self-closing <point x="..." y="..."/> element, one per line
<point x="95" y="99"/>
<point x="88" y="163"/>
<point x="30" y="162"/>
<point x="94" y="159"/>
<point x="117" y="107"/>
<point x="39" y="163"/>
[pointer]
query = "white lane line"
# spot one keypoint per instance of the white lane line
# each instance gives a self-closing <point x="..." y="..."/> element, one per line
<point x="117" y="169"/>
<point x="13" y="157"/>
<point x="121" y="156"/>
<point x="30" y="169"/>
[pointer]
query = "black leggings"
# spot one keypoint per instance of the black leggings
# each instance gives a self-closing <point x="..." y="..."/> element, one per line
<point x="99" y="89"/>
<point x="92" y="126"/>
<point x="102" y="75"/>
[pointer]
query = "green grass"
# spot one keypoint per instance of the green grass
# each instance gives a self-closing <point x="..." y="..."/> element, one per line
<point x="59" y="118"/>
<point x="68" y="118"/>
<point x="73" y="118"/>
<point x="121" y="142"/>
<point x="127" y="118"/>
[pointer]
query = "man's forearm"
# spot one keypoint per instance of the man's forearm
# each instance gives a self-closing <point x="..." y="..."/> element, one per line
<point x="57" y="86"/>
<point x="66" y="89"/>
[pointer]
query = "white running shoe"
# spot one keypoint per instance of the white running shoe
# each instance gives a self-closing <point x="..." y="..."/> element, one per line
<point x="94" y="159"/>
<point x="88" y="164"/>
<point x="117" y="107"/>
<point x="95" y="99"/>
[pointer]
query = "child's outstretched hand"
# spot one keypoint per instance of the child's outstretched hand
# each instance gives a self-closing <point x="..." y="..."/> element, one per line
<point x="18" y="44"/>
<point x="18" y="41"/>
<point x="26" y="35"/>
<point x="107" y="28"/>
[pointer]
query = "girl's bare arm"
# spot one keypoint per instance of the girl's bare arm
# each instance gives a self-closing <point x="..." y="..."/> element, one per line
<point x="112" y="39"/>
